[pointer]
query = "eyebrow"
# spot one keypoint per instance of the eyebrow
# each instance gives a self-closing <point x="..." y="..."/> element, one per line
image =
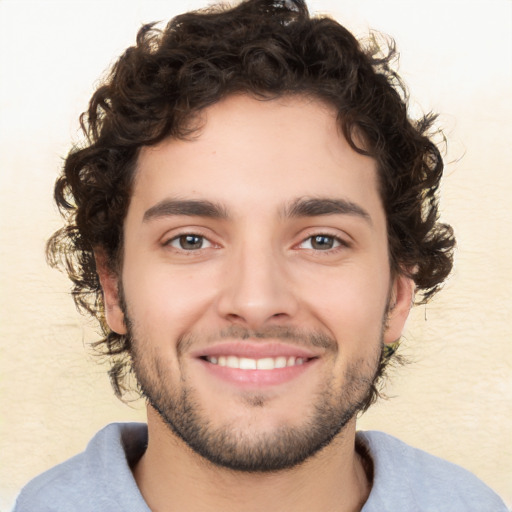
<point x="302" y="207"/>
<point x="312" y="207"/>
<point x="191" y="208"/>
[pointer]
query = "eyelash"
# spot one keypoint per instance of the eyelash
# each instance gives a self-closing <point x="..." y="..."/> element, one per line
<point x="180" y="238"/>
<point x="338" y="243"/>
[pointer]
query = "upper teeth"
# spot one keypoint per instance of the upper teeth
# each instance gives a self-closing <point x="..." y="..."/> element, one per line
<point x="244" y="363"/>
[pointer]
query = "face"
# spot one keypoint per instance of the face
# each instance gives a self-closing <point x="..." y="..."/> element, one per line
<point x="256" y="282"/>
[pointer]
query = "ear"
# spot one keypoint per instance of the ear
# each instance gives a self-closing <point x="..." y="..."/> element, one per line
<point x="400" y="302"/>
<point x="110" y="285"/>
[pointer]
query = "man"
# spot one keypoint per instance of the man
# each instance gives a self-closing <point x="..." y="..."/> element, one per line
<point x="250" y="221"/>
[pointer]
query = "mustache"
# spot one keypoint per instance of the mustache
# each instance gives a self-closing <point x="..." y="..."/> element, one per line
<point x="297" y="336"/>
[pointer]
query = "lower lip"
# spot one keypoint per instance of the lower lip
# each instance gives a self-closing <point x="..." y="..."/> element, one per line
<point x="257" y="378"/>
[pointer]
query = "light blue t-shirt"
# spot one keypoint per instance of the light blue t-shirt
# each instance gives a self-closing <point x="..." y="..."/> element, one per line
<point x="405" y="479"/>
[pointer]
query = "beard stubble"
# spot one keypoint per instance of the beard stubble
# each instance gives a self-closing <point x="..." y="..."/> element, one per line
<point x="249" y="451"/>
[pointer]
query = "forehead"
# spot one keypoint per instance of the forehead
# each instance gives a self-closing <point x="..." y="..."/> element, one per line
<point x="250" y="153"/>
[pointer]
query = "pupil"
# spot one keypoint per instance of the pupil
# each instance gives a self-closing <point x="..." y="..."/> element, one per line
<point x="191" y="242"/>
<point x="322" y="242"/>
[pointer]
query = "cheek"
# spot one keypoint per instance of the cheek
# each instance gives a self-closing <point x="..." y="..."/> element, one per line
<point x="352" y="284"/>
<point x="348" y="300"/>
<point x="165" y="301"/>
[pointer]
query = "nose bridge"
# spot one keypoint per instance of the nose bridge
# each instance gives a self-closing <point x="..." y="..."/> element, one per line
<point x="257" y="289"/>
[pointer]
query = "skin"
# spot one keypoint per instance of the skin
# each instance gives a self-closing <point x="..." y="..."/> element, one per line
<point x="257" y="270"/>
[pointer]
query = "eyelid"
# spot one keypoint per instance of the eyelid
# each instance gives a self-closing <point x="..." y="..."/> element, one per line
<point x="177" y="238"/>
<point x="343" y="239"/>
<point x="175" y="234"/>
<point x="337" y="242"/>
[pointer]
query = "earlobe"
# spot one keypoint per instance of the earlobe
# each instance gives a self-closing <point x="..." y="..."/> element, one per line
<point x="110" y="286"/>
<point x="401" y="300"/>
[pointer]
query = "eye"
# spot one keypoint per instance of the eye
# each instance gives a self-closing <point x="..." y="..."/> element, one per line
<point x="189" y="242"/>
<point x="321" y="242"/>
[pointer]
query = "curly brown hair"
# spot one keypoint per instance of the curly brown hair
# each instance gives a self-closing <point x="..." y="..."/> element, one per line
<point x="267" y="49"/>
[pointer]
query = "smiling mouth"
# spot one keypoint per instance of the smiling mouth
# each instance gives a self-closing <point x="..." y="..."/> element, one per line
<point x="266" y="363"/>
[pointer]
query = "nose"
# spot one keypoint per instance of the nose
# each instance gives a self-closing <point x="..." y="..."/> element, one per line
<point x="257" y="290"/>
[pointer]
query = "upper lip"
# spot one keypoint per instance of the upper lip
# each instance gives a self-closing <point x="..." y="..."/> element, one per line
<point x="254" y="350"/>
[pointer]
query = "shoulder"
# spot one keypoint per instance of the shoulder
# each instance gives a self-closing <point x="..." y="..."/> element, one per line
<point x="406" y="478"/>
<point x="92" y="480"/>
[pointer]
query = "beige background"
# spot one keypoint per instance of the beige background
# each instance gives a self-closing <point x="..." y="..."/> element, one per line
<point x="454" y="400"/>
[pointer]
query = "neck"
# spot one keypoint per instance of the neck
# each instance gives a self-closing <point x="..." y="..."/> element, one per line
<point x="171" y="476"/>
